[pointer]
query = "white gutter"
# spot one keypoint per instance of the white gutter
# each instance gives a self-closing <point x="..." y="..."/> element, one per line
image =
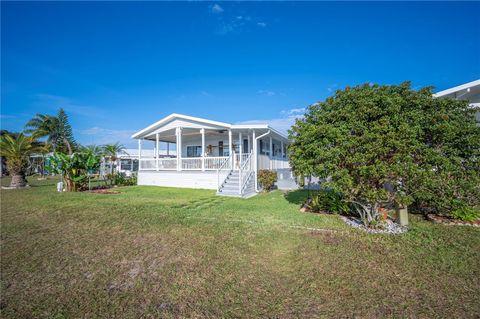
<point x="256" y="158"/>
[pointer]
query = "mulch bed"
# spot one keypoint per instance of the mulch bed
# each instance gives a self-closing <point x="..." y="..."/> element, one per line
<point x="104" y="191"/>
<point x="449" y="221"/>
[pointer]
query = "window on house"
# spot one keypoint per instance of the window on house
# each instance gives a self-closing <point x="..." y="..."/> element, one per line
<point x="245" y="146"/>
<point x="264" y="147"/>
<point x="194" y="151"/>
<point x="220" y="148"/>
<point x="125" y="164"/>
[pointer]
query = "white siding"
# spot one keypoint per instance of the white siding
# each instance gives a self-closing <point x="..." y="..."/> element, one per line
<point x="184" y="179"/>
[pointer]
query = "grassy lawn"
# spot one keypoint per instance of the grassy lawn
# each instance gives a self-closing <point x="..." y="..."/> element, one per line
<point x="162" y="252"/>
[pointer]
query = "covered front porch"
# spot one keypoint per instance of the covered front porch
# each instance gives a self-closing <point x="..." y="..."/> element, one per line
<point x="185" y="149"/>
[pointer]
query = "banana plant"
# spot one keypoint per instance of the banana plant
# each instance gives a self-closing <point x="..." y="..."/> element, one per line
<point x="75" y="168"/>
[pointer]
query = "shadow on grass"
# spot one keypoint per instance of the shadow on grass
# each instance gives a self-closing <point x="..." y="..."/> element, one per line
<point x="297" y="197"/>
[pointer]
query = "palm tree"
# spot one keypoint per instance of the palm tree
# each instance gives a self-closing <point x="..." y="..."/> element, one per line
<point x="17" y="149"/>
<point x="56" y="128"/>
<point x="93" y="150"/>
<point x="110" y="151"/>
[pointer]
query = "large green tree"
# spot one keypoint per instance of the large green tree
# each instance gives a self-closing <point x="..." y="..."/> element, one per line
<point x="57" y="129"/>
<point x="381" y="145"/>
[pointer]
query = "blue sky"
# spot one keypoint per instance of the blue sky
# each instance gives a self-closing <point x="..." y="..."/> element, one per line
<point x="118" y="67"/>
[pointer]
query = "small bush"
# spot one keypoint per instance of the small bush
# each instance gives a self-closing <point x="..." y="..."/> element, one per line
<point x="328" y="200"/>
<point x="466" y="213"/>
<point x="267" y="179"/>
<point x="122" y="180"/>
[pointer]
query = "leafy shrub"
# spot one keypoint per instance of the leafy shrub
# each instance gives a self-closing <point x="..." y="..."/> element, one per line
<point x="328" y="200"/>
<point x="123" y="180"/>
<point x="465" y="213"/>
<point x="267" y="179"/>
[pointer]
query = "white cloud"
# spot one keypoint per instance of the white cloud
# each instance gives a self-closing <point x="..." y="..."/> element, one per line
<point x="99" y="135"/>
<point x="266" y="92"/>
<point x="216" y="9"/>
<point x="333" y="87"/>
<point x="294" y="111"/>
<point x="231" y="22"/>
<point x="54" y="102"/>
<point x="282" y="124"/>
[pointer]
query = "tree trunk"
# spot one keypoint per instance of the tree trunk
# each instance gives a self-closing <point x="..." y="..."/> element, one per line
<point x="18" y="181"/>
<point x="67" y="144"/>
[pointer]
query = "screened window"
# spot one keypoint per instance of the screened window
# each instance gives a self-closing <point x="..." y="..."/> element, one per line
<point x="125" y="164"/>
<point x="194" y="151"/>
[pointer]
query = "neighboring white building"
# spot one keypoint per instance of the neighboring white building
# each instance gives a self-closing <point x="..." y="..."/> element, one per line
<point x="212" y="155"/>
<point x="469" y="91"/>
<point x="127" y="161"/>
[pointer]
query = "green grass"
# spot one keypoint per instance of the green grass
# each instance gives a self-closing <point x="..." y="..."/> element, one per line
<point x="164" y="252"/>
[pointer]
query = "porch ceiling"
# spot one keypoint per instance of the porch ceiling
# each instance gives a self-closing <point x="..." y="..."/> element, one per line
<point x="169" y="135"/>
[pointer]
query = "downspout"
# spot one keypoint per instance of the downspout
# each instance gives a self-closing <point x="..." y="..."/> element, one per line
<point x="256" y="158"/>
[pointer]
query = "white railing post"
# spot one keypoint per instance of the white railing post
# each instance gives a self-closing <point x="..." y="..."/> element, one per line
<point x="240" y="146"/>
<point x="255" y="158"/>
<point x="179" y="148"/>
<point x="240" y="177"/>
<point x="230" y="148"/>
<point x="140" y="154"/>
<point x="202" y="131"/>
<point x="157" y="142"/>
<point x="270" y="151"/>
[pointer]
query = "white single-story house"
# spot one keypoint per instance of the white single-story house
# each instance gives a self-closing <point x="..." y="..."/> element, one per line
<point x="209" y="154"/>
<point x="469" y="91"/>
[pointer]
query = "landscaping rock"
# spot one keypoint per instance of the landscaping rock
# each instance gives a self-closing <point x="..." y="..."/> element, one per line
<point x="390" y="226"/>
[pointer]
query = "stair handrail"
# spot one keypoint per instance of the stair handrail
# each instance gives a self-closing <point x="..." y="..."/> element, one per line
<point x="227" y="160"/>
<point x="241" y="182"/>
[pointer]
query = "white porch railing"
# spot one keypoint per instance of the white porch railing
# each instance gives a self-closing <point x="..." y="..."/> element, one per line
<point x="245" y="171"/>
<point x="167" y="164"/>
<point x="191" y="163"/>
<point x="267" y="162"/>
<point x="215" y="162"/>
<point x="147" y="164"/>
<point x="239" y="160"/>
<point x="279" y="163"/>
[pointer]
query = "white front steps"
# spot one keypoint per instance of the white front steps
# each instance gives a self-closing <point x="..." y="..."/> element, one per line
<point x="231" y="187"/>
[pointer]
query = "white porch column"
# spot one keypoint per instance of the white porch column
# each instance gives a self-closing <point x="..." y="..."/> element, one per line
<point x="179" y="148"/>
<point x="230" y="148"/>
<point x="255" y="158"/>
<point x="271" y="152"/>
<point x="139" y="154"/>
<point x="281" y="146"/>
<point x="202" y="131"/>
<point x="157" y="143"/>
<point x="240" y="141"/>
